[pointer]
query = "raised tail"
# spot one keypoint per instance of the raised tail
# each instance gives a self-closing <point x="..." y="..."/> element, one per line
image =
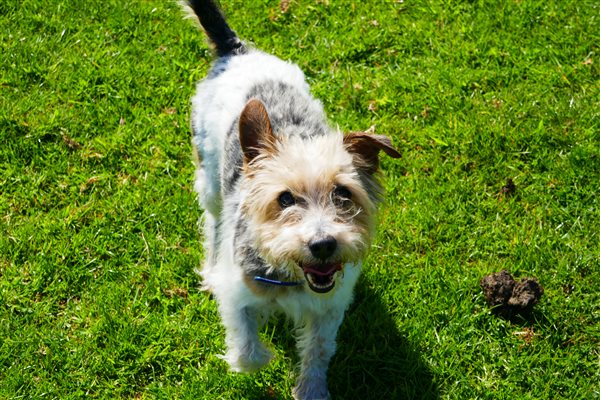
<point x="210" y="17"/>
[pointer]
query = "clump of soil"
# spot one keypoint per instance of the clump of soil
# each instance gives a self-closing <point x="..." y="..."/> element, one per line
<point x="508" y="297"/>
<point x="509" y="189"/>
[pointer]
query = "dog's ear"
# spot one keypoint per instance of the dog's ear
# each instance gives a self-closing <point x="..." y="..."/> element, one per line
<point x="367" y="147"/>
<point x="256" y="134"/>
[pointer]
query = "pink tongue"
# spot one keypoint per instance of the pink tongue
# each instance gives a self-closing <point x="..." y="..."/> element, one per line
<point x="331" y="270"/>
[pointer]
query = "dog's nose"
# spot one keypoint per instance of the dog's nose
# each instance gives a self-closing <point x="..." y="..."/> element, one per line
<point x="323" y="248"/>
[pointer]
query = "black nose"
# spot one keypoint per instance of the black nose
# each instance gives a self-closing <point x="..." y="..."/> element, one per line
<point x="323" y="248"/>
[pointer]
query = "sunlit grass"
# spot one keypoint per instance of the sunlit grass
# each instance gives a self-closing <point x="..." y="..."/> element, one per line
<point x="98" y="227"/>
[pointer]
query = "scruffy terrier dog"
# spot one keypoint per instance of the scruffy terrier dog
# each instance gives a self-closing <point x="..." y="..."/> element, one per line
<point x="289" y="203"/>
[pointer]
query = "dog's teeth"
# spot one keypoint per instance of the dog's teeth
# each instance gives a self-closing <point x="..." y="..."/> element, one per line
<point x="316" y="285"/>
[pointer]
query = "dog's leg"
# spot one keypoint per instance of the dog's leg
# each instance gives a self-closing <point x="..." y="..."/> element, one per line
<point x="316" y="344"/>
<point x="245" y="351"/>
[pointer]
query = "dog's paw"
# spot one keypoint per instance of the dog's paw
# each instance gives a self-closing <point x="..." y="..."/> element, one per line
<point x="311" y="390"/>
<point x="248" y="360"/>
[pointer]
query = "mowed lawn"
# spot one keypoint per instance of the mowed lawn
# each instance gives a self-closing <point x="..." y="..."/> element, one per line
<point x="98" y="219"/>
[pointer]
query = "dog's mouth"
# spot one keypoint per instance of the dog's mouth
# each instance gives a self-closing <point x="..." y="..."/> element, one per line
<point x="321" y="277"/>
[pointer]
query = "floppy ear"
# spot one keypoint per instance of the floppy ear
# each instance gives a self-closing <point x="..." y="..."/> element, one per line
<point x="367" y="147"/>
<point x="256" y="134"/>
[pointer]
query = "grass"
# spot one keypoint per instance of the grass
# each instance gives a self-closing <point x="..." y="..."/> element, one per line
<point x="98" y="243"/>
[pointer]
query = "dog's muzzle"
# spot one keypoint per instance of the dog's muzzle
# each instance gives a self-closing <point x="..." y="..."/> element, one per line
<point x="321" y="275"/>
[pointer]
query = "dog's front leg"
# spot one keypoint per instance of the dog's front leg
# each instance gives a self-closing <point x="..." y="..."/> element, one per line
<point x="245" y="351"/>
<point x="316" y="344"/>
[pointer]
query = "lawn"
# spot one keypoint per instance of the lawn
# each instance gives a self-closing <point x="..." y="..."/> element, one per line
<point x="98" y="220"/>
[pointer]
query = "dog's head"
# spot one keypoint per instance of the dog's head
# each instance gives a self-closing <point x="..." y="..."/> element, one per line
<point x="311" y="203"/>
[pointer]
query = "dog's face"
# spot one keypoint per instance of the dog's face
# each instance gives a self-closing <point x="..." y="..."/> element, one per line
<point x="310" y="202"/>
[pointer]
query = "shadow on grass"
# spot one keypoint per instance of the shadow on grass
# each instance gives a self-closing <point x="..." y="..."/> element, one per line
<point x="374" y="360"/>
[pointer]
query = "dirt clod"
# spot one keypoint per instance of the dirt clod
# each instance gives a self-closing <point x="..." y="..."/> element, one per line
<point x="509" y="189"/>
<point x="508" y="297"/>
<point x="497" y="288"/>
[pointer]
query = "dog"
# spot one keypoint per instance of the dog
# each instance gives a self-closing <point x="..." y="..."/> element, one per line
<point x="289" y="203"/>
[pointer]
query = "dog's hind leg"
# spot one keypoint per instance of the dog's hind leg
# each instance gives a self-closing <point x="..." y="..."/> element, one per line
<point x="206" y="185"/>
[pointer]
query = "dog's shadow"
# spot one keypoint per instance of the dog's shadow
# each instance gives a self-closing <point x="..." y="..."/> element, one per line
<point x="373" y="359"/>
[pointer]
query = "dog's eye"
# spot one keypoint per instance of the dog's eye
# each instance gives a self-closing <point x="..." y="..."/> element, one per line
<point x="342" y="194"/>
<point x="286" y="199"/>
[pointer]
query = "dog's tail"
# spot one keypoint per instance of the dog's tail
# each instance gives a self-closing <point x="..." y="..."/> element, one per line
<point x="210" y="17"/>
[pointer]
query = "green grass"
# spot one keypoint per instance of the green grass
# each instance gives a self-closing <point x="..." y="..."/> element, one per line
<point x="98" y="227"/>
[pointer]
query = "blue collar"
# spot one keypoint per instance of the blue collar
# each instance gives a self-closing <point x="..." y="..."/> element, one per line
<point x="277" y="283"/>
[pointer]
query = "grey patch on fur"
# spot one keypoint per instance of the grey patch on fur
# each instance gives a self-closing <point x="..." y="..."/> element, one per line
<point x="292" y="113"/>
<point x="232" y="164"/>
<point x="218" y="67"/>
<point x="371" y="184"/>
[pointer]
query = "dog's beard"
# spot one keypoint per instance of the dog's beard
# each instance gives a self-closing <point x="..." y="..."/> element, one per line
<point x="287" y="252"/>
